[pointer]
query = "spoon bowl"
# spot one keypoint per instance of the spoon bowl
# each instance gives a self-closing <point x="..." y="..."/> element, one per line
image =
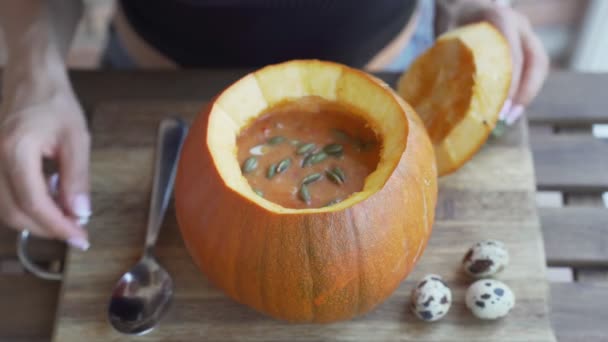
<point x="140" y="298"/>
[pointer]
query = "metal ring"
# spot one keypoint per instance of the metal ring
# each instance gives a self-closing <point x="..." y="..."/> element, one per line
<point x="29" y="264"/>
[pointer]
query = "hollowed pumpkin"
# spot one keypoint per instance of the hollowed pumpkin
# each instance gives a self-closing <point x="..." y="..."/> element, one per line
<point x="306" y="265"/>
<point x="458" y="87"/>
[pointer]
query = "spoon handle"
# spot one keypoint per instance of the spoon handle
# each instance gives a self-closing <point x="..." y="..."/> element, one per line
<point x="171" y="134"/>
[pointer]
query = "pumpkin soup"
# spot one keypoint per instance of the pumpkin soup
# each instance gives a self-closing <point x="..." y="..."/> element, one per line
<point x="308" y="153"/>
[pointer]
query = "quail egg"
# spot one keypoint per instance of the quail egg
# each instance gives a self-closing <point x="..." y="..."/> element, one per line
<point x="431" y="298"/>
<point x="485" y="259"/>
<point x="489" y="299"/>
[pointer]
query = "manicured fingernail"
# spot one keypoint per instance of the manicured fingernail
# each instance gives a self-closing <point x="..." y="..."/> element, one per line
<point x="80" y="243"/>
<point x="81" y="206"/>
<point x="515" y="114"/>
<point x="506" y="108"/>
<point x="54" y="184"/>
<point x="82" y="220"/>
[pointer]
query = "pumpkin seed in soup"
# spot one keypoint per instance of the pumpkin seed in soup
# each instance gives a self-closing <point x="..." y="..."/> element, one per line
<point x="283" y="165"/>
<point x="314" y="159"/>
<point x="271" y="171"/>
<point x="294" y="142"/>
<point x="334" y="177"/>
<point x="258" y="192"/>
<point x="275" y="140"/>
<point x="313" y="177"/>
<point x="304" y="194"/>
<point x="334" y="149"/>
<point x="306" y="148"/>
<point x="338" y="171"/>
<point x="250" y="164"/>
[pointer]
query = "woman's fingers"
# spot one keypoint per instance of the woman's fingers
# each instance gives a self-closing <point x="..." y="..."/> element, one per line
<point x="32" y="197"/>
<point x="505" y="20"/>
<point x="535" y="67"/>
<point x="44" y="121"/>
<point x="74" y="168"/>
<point x="530" y="60"/>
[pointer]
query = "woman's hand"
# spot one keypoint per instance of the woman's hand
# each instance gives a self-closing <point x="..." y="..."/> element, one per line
<point x="41" y="118"/>
<point x="530" y="60"/>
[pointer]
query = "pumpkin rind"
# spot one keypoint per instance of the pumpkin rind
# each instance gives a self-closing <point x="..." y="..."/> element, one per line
<point x="312" y="265"/>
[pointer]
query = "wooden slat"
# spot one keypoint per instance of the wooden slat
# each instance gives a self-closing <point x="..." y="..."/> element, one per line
<point x="575" y="236"/>
<point x="569" y="98"/>
<point x="566" y="98"/>
<point x="583" y="102"/>
<point x="27" y="308"/>
<point x="572" y="163"/>
<point x="592" y="199"/>
<point x="578" y="312"/>
<point x="575" y="310"/>
<point x="593" y="275"/>
<point x="93" y="87"/>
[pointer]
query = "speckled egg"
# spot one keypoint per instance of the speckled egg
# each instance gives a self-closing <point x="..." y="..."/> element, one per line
<point x="431" y="298"/>
<point x="485" y="259"/>
<point x="489" y="299"/>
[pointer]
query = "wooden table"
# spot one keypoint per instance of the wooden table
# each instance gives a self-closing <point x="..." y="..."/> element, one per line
<point x="571" y="175"/>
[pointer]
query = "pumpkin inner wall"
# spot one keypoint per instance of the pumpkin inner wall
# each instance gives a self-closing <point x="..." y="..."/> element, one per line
<point x="255" y="93"/>
<point x="308" y="153"/>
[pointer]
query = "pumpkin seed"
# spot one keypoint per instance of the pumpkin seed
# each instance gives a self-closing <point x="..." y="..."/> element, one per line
<point x="304" y="194"/>
<point x="271" y="171"/>
<point x="340" y="134"/>
<point x="306" y="160"/>
<point x="275" y="140"/>
<point x="334" y="177"/>
<point x="311" y="178"/>
<point x="258" y="150"/>
<point x="334" y="149"/>
<point x="250" y="164"/>
<point x="258" y="192"/>
<point x="314" y="158"/>
<point x="338" y="171"/>
<point x="306" y="148"/>
<point x="294" y="142"/>
<point x="283" y="165"/>
<point x="332" y="202"/>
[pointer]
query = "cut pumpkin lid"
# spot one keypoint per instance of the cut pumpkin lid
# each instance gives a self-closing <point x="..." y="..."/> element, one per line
<point x="458" y="88"/>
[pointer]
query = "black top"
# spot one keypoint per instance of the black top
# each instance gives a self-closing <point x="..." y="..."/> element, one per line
<point x="253" y="33"/>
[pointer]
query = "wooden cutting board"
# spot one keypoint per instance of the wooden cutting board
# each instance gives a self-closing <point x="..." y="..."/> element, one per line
<point x="491" y="197"/>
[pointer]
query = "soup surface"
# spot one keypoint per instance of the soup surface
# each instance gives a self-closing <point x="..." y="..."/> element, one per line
<point x="308" y="153"/>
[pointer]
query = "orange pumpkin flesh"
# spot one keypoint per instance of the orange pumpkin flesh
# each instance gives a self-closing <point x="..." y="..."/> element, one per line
<point x="306" y="265"/>
<point x="458" y="87"/>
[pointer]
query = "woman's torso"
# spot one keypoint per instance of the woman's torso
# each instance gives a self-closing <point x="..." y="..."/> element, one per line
<point x="251" y="33"/>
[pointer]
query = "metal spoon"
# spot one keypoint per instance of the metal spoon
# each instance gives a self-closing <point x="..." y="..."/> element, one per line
<point x="142" y="295"/>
